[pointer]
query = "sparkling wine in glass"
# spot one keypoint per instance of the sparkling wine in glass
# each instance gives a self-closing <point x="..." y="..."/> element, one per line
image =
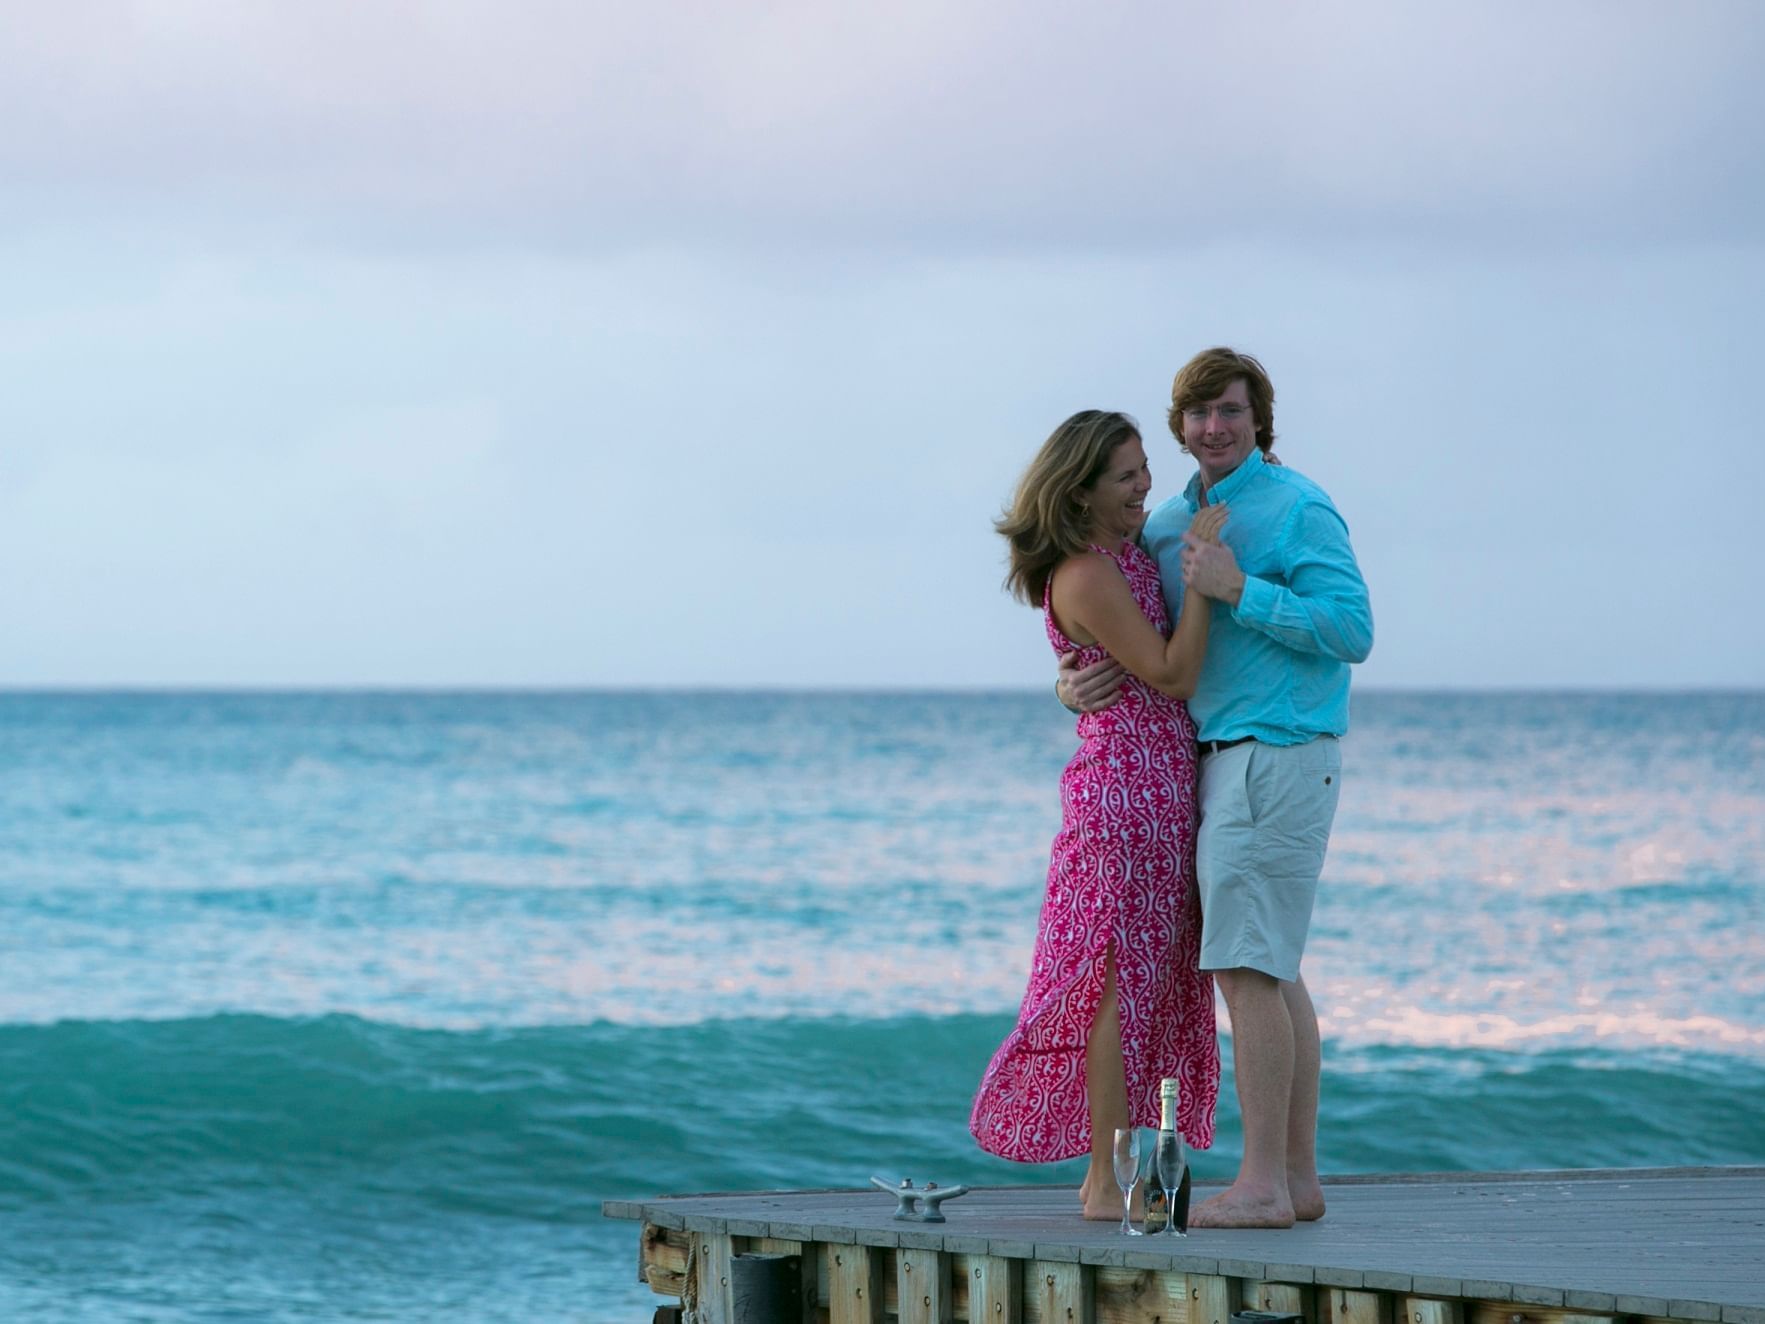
<point x="1127" y="1172"/>
<point x="1171" y="1165"/>
<point x="1168" y="1156"/>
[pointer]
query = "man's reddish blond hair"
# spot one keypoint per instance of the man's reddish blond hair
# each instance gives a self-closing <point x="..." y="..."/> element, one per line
<point x="1208" y="375"/>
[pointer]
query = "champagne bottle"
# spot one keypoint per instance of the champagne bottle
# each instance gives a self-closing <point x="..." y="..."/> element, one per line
<point x="1169" y="1150"/>
<point x="1155" y="1210"/>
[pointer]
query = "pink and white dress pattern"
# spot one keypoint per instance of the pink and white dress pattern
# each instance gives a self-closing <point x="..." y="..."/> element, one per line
<point x="1121" y="874"/>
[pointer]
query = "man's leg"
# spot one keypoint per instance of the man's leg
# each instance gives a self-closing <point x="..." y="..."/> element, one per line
<point x="1263" y="1053"/>
<point x="1257" y="889"/>
<point x="1302" y="1105"/>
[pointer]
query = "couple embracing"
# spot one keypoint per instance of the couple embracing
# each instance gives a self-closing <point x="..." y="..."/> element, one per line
<point x="1206" y="649"/>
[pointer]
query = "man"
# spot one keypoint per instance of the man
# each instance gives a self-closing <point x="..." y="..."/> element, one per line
<point x="1290" y="613"/>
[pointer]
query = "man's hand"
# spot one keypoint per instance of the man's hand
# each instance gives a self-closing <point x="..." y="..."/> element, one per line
<point x="1090" y="689"/>
<point x="1211" y="570"/>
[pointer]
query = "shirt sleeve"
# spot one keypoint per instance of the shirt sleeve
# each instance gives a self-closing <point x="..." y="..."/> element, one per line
<point x="1323" y="607"/>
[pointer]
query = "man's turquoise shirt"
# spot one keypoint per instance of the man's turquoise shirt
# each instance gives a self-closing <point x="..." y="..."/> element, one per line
<point x="1277" y="664"/>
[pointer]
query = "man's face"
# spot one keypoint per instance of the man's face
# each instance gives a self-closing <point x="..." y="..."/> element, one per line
<point x="1220" y="433"/>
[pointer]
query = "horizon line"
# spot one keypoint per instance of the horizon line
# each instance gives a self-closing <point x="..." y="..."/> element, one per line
<point x="171" y="689"/>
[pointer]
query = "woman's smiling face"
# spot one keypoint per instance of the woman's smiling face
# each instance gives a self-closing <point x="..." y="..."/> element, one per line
<point x="1117" y="500"/>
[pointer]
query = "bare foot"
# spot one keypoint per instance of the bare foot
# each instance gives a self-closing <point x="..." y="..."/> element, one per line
<point x="1102" y="1209"/>
<point x="1234" y="1208"/>
<point x="1105" y="1208"/>
<point x="1108" y="1203"/>
<point x="1308" y="1198"/>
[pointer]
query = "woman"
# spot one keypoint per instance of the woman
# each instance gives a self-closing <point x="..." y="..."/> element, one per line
<point x="1116" y="1000"/>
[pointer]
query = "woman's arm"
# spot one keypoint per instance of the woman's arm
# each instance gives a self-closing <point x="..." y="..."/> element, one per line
<point x="1091" y="594"/>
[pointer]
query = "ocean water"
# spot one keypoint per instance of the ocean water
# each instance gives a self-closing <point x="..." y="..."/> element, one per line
<point x="356" y="1006"/>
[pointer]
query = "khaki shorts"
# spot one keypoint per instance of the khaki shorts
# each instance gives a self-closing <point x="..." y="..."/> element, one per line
<point x="1266" y="812"/>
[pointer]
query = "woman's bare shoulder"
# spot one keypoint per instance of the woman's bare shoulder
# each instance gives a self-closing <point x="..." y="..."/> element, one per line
<point x="1088" y="569"/>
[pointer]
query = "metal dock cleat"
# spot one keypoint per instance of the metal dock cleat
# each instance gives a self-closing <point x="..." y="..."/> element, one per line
<point x="931" y="1195"/>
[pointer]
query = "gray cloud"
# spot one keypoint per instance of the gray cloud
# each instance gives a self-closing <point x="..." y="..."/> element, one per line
<point x="915" y="126"/>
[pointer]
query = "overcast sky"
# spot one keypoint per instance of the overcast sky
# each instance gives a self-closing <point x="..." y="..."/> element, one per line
<point x="694" y="344"/>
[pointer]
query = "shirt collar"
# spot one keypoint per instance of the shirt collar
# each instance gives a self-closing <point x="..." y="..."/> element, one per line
<point x="1229" y="486"/>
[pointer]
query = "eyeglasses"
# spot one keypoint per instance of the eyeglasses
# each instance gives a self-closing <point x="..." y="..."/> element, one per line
<point x="1227" y="413"/>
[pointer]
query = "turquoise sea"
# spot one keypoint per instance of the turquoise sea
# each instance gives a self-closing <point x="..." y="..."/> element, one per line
<point x="356" y="1006"/>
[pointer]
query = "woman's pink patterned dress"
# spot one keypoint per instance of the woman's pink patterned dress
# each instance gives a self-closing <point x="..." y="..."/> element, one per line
<point x="1122" y="872"/>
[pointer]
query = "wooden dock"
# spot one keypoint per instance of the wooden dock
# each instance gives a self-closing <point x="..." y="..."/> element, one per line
<point x="1577" y="1247"/>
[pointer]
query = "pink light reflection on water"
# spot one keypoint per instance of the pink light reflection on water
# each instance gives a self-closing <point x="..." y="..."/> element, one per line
<point x="1478" y="916"/>
<point x="1417" y="1027"/>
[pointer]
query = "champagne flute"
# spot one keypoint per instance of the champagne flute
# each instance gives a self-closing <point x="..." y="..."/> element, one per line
<point x="1126" y="1155"/>
<point x="1171" y="1162"/>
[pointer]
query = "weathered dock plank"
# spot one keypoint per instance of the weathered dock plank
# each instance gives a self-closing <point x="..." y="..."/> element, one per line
<point x="1447" y="1248"/>
<point x="854" y="1285"/>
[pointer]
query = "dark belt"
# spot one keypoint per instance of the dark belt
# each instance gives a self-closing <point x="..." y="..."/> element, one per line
<point x="1215" y="746"/>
